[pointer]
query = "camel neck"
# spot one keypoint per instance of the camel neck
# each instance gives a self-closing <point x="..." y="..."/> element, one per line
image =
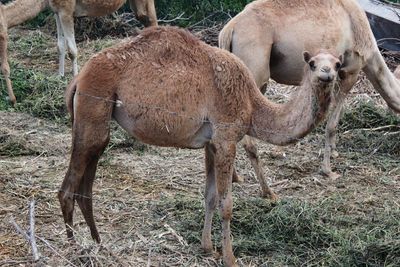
<point x="283" y="124"/>
<point x="20" y="11"/>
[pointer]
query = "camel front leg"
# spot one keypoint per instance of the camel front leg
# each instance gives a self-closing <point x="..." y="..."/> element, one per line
<point x="224" y="159"/>
<point x="145" y="11"/>
<point x="252" y="154"/>
<point x="66" y="22"/>
<point x="60" y="46"/>
<point x="210" y="198"/>
<point x="383" y="80"/>
<point x="331" y="126"/>
<point x="5" y="67"/>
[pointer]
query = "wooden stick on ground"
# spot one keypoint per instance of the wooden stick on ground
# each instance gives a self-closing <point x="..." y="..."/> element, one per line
<point x="31" y="236"/>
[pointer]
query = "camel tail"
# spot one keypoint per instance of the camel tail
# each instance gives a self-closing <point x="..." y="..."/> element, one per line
<point x="225" y="37"/>
<point x="69" y="98"/>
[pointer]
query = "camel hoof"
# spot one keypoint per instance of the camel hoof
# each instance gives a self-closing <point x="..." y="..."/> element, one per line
<point x="207" y="247"/>
<point x="271" y="196"/>
<point x="330" y="174"/>
<point x="237" y="179"/>
<point x="333" y="175"/>
<point x="12" y="100"/>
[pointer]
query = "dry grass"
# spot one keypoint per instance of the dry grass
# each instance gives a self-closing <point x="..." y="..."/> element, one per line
<point x="148" y="200"/>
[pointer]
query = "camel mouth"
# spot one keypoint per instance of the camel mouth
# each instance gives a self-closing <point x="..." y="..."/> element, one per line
<point x="325" y="79"/>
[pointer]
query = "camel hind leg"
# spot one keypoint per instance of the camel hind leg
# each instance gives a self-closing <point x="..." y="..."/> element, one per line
<point x="84" y="196"/>
<point x="5" y="67"/>
<point x="90" y="137"/>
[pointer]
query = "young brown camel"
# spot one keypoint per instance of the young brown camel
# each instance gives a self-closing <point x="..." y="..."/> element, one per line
<point x="167" y="88"/>
<point x="269" y="35"/>
<point x="19" y="11"/>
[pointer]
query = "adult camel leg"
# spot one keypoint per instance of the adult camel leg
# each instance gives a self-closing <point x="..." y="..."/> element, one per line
<point x="145" y="12"/>
<point x="5" y="67"/>
<point x="90" y="135"/>
<point x="61" y="46"/>
<point x="84" y="196"/>
<point x="252" y="154"/>
<point x="66" y="22"/>
<point x="210" y="198"/>
<point x="331" y="125"/>
<point x="224" y="159"/>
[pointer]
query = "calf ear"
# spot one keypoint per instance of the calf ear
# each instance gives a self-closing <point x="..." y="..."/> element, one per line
<point x="306" y="56"/>
<point x="352" y="63"/>
<point x="341" y="59"/>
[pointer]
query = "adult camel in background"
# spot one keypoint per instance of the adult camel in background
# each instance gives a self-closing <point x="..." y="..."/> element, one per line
<point x="19" y="11"/>
<point x="269" y="35"/>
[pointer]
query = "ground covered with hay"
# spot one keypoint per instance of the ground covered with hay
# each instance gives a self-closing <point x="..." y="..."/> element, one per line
<point x="148" y="200"/>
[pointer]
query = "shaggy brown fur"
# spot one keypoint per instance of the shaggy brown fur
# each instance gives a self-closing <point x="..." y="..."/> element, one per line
<point x="166" y="88"/>
<point x="269" y="35"/>
<point x="19" y="11"/>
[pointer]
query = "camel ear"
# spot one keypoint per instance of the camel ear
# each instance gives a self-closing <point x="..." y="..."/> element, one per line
<point x="306" y="56"/>
<point x="341" y="59"/>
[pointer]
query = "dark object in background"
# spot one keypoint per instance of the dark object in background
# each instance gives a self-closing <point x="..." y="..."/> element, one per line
<point x="384" y="19"/>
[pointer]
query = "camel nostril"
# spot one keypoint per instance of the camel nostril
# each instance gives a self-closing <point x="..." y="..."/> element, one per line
<point x="326" y="69"/>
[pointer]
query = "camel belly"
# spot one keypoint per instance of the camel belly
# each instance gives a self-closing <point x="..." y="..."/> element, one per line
<point x="96" y="8"/>
<point x="164" y="129"/>
<point x="292" y="39"/>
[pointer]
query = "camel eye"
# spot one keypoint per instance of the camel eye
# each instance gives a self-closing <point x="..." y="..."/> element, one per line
<point x="312" y="65"/>
<point x="337" y="66"/>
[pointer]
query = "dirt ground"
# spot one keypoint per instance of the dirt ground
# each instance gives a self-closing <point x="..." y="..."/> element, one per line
<point x="133" y="179"/>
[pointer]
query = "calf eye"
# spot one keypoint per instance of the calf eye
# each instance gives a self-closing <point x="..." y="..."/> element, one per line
<point x="337" y="66"/>
<point x="312" y="65"/>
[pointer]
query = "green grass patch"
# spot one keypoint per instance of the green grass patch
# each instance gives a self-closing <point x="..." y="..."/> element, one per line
<point x="370" y="129"/>
<point x="37" y="92"/>
<point x="294" y="232"/>
<point x="367" y="115"/>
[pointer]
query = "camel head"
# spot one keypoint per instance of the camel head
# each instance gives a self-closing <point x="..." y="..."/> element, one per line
<point x="323" y="67"/>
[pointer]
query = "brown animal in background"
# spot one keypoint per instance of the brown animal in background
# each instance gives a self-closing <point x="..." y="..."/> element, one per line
<point x="66" y="10"/>
<point x="19" y="11"/>
<point x="13" y="14"/>
<point x="167" y="88"/>
<point x="269" y="36"/>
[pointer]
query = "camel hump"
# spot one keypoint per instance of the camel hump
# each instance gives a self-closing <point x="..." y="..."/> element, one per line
<point x="225" y="37"/>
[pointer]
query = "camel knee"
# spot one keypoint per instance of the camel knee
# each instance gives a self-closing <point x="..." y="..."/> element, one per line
<point x="5" y="69"/>
<point x="251" y="150"/>
<point x="226" y="208"/>
<point x="211" y="200"/>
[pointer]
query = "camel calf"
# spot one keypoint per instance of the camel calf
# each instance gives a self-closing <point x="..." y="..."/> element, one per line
<point x="167" y="88"/>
